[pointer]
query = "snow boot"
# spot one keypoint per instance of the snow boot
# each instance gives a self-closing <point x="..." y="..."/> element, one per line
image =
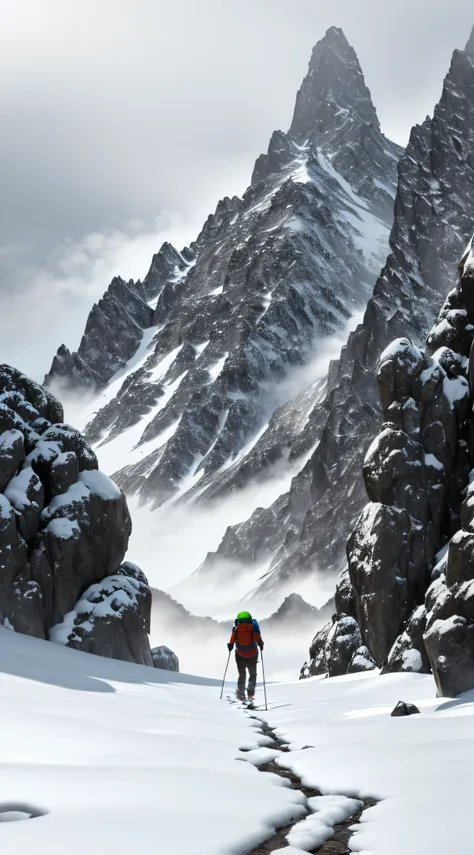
<point x="240" y="695"/>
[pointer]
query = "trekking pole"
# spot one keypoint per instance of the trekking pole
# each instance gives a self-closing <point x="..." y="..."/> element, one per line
<point x="264" y="686"/>
<point x="225" y="672"/>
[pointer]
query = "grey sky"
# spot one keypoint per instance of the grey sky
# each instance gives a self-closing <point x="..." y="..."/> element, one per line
<point x="118" y="110"/>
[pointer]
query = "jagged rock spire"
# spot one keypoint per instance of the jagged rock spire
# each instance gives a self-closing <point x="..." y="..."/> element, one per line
<point x="333" y="90"/>
<point x="470" y="44"/>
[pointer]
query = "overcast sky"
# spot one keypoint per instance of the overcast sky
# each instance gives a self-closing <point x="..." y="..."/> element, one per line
<point x="124" y="121"/>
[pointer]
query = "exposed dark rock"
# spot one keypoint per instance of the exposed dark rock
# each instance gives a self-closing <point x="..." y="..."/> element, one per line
<point x="164" y="658"/>
<point x="343" y="640"/>
<point x="409" y="652"/>
<point x="63" y="527"/>
<point x="345" y="597"/>
<point x="64" y="473"/>
<point x="361" y="661"/>
<point x="317" y="654"/>
<point x="404" y="708"/>
<point x="337" y="649"/>
<point x="114" y="329"/>
<point x="418" y="474"/>
<point x="12" y="454"/>
<point x="415" y="486"/>
<point x="385" y="554"/>
<point x="110" y="619"/>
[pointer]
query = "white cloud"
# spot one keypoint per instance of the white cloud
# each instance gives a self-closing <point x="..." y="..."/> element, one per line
<point x="42" y="308"/>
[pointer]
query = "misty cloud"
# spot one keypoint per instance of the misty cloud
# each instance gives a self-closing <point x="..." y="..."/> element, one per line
<point x="41" y="307"/>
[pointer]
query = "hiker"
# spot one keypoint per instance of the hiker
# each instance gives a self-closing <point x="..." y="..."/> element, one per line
<point x="247" y="639"/>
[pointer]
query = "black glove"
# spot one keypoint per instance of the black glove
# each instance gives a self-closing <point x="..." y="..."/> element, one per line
<point x="230" y="647"/>
<point x="261" y="645"/>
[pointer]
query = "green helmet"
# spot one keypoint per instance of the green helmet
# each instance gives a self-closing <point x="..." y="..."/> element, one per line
<point x="244" y="616"/>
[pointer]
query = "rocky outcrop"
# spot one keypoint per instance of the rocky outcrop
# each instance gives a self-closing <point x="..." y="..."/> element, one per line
<point x="403" y="709"/>
<point x="419" y="525"/>
<point x="111" y="618"/>
<point x="164" y="658"/>
<point x="269" y="278"/>
<point x="408" y="652"/>
<point x="337" y="649"/>
<point x="64" y="530"/>
<point x="307" y="527"/>
<point x="415" y="472"/>
<point x="114" y="328"/>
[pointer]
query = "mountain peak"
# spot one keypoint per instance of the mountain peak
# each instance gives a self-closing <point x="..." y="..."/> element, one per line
<point x="470" y="44"/>
<point x="335" y="35"/>
<point x="333" y="91"/>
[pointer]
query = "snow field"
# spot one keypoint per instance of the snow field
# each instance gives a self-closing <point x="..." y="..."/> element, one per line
<point x="118" y="755"/>
<point x="115" y="755"/>
<point x="418" y="767"/>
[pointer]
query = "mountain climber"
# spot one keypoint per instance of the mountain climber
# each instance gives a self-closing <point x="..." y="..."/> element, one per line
<point x="247" y="639"/>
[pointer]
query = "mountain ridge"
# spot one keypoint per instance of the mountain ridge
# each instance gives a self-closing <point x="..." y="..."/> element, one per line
<point x="270" y="278"/>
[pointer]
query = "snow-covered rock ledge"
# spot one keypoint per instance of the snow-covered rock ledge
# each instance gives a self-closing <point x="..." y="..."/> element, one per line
<point x="64" y="531"/>
<point x="408" y="593"/>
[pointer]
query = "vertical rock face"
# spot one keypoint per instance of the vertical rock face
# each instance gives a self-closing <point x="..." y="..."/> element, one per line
<point x="433" y="222"/>
<point x="419" y="525"/>
<point x="269" y="277"/>
<point x="64" y="530"/>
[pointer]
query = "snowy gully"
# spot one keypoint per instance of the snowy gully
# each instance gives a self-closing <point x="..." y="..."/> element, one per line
<point x="330" y="821"/>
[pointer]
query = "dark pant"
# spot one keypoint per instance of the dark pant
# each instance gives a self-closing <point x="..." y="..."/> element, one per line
<point x="243" y="664"/>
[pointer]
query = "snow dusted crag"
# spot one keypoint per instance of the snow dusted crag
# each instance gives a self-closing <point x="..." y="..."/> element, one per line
<point x="268" y="279"/>
<point x="114" y="328"/>
<point x="305" y="530"/>
<point x="410" y="593"/>
<point x="64" y="530"/>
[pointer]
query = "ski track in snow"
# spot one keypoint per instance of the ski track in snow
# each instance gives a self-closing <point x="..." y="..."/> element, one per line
<point x="111" y="755"/>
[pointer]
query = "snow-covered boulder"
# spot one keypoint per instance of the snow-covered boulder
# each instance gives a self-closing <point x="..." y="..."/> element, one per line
<point x="449" y="634"/>
<point x="317" y="654"/>
<point x="343" y="640"/>
<point x="111" y="618"/>
<point x="64" y="528"/>
<point x="409" y="652"/>
<point x="362" y="660"/>
<point x="337" y="649"/>
<point x="164" y="658"/>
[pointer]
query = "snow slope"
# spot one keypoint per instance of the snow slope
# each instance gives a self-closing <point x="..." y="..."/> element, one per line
<point x="418" y="767"/>
<point x="116" y="755"/>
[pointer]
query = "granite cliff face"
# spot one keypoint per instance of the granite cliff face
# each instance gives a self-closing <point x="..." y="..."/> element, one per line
<point x="408" y="592"/>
